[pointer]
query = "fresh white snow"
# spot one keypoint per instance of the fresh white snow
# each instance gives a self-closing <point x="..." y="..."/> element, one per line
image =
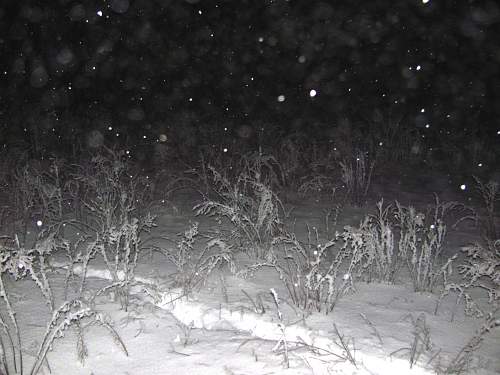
<point x="217" y="330"/>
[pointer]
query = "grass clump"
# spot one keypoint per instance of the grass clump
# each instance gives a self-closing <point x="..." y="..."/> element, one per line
<point x="254" y="211"/>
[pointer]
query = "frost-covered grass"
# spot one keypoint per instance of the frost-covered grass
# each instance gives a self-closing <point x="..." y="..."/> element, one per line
<point x="260" y="289"/>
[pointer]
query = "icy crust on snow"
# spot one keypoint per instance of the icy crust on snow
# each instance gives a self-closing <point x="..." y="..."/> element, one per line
<point x="198" y="315"/>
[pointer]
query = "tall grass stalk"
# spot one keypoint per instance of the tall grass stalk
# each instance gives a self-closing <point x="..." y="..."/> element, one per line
<point x="356" y="175"/>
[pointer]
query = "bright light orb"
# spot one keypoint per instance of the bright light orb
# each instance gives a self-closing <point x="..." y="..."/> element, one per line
<point x="312" y="93"/>
<point x="463" y="187"/>
<point x="39" y="223"/>
<point x="281" y="98"/>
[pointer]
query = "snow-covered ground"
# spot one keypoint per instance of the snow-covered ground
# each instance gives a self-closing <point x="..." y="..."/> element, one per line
<point x="218" y="330"/>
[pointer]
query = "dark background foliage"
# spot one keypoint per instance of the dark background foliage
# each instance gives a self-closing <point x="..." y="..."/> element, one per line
<point x="198" y="70"/>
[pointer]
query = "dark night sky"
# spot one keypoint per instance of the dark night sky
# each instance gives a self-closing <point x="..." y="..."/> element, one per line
<point x="193" y="67"/>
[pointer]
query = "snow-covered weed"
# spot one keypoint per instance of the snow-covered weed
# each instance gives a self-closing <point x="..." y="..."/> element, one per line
<point x="421" y="340"/>
<point x="282" y="343"/>
<point x="396" y="236"/>
<point x="37" y="192"/>
<point x="252" y="208"/>
<point x="72" y="313"/>
<point x="263" y="168"/>
<point x="257" y="303"/>
<point x="314" y="281"/>
<point x="285" y="346"/>
<point x="481" y="272"/>
<point x="24" y="199"/>
<point x="314" y="278"/>
<point x="375" y="241"/>
<point x="463" y="362"/>
<point x="51" y="191"/>
<point x="317" y="184"/>
<point x="421" y="242"/>
<point x="119" y="248"/>
<point x="110" y="191"/>
<point x="194" y="266"/>
<point x="114" y="218"/>
<point x="18" y="262"/>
